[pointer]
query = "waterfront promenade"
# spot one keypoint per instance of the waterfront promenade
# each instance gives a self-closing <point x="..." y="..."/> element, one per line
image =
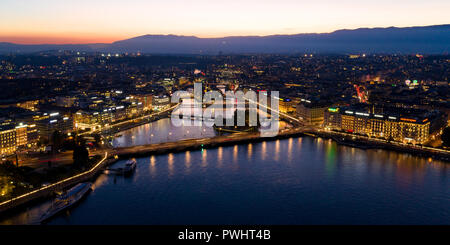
<point x="58" y="186"/>
<point x="242" y="138"/>
<point x="196" y="144"/>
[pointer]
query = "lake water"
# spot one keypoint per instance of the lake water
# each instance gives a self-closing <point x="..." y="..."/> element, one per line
<point x="291" y="181"/>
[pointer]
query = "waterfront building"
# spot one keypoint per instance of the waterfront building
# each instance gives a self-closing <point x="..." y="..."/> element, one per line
<point x="145" y="99"/>
<point x="408" y="127"/>
<point x="286" y="105"/>
<point x="332" y="118"/>
<point x="101" y="116"/>
<point x="413" y="130"/>
<point x="377" y="126"/>
<point x="311" y="113"/>
<point x="348" y="122"/>
<point x="161" y="103"/>
<point x="134" y="109"/>
<point x="84" y="119"/>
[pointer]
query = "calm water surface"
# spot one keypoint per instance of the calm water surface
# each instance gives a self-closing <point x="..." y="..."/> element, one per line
<point x="291" y="181"/>
<point x="161" y="131"/>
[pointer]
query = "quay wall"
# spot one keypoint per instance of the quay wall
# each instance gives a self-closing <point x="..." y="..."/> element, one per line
<point x="180" y="146"/>
<point x="172" y="147"/>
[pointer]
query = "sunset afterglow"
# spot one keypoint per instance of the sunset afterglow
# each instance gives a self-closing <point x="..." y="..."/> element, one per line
<point x="102" y="21"/>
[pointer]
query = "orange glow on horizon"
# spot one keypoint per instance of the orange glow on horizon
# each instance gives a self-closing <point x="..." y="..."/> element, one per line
<point x="81" y="38"/>
<point x="106" y="21"/>
<point x="60" y="39"/>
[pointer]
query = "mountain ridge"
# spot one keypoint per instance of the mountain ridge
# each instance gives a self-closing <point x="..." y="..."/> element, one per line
<point x="433" y="39"/>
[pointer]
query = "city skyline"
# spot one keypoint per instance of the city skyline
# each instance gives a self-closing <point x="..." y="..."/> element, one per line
<point x="50" y="22"/>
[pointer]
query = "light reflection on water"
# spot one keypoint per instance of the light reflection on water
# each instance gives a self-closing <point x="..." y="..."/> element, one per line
<point x="161" y="131"/>
<point x="331" y="184"/>
<point x="314" y="181"/>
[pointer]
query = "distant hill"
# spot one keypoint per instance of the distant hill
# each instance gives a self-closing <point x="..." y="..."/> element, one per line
<point x="427" y="39"/>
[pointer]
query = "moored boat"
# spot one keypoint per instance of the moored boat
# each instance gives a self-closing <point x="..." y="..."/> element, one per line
<point x="66" y="200"/>
<point x="130" y="166"/>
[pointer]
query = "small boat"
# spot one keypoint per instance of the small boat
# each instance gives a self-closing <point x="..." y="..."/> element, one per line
<point x="66" y="200"/>
<point x="130" y="166"/>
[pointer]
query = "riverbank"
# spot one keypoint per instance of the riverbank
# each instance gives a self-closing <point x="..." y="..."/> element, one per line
<point x="49" y="190"/>
<point x="363" y="143"/>
<point x="245" y="138"/>
<point x="134" y="122"/>
<point x="198" y="144"/>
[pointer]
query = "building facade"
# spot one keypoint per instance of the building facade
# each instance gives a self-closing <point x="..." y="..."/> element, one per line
<point x="406" y="128"/>
<point x="311" y="113"/>
<point x="8" y="139"/>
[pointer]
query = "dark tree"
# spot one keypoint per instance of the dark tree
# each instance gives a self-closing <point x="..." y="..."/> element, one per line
<point x="445" y="137"/>
<point x="80" y="153"/>
<point x="57" y="140"/>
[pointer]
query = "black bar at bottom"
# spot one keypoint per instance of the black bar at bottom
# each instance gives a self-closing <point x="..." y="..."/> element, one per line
<point x="227" y="233"/>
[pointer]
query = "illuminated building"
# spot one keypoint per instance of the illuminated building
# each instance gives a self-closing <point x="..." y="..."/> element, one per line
<point x="361" y="123"/>
<point x="13" y="137"/>
<point x="86" y="119"/>
<point x="32" y="135"/>
<point x="348" y="123"/>
<point x="161" y="103"/>
<point x="377" y="126"/>
<point x="407" y="127"/>
<point x="47" y="123"/>
<point x="95" y="118"/>
<point x="311" y="113"/>
<point x="65" y="101"/>
<point x="332" y="118"/>
<point x="286" y="105"/>
<point x="21" y="134"/>
<point x="145" y="99"/>
<point x="29" y="105"/>
<point x="8" y="141"/>
<point x="413" y="130"/>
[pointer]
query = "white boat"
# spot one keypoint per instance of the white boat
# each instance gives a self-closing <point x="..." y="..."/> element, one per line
<point x="66" y="200"/>
<point x="130" y="166"/>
